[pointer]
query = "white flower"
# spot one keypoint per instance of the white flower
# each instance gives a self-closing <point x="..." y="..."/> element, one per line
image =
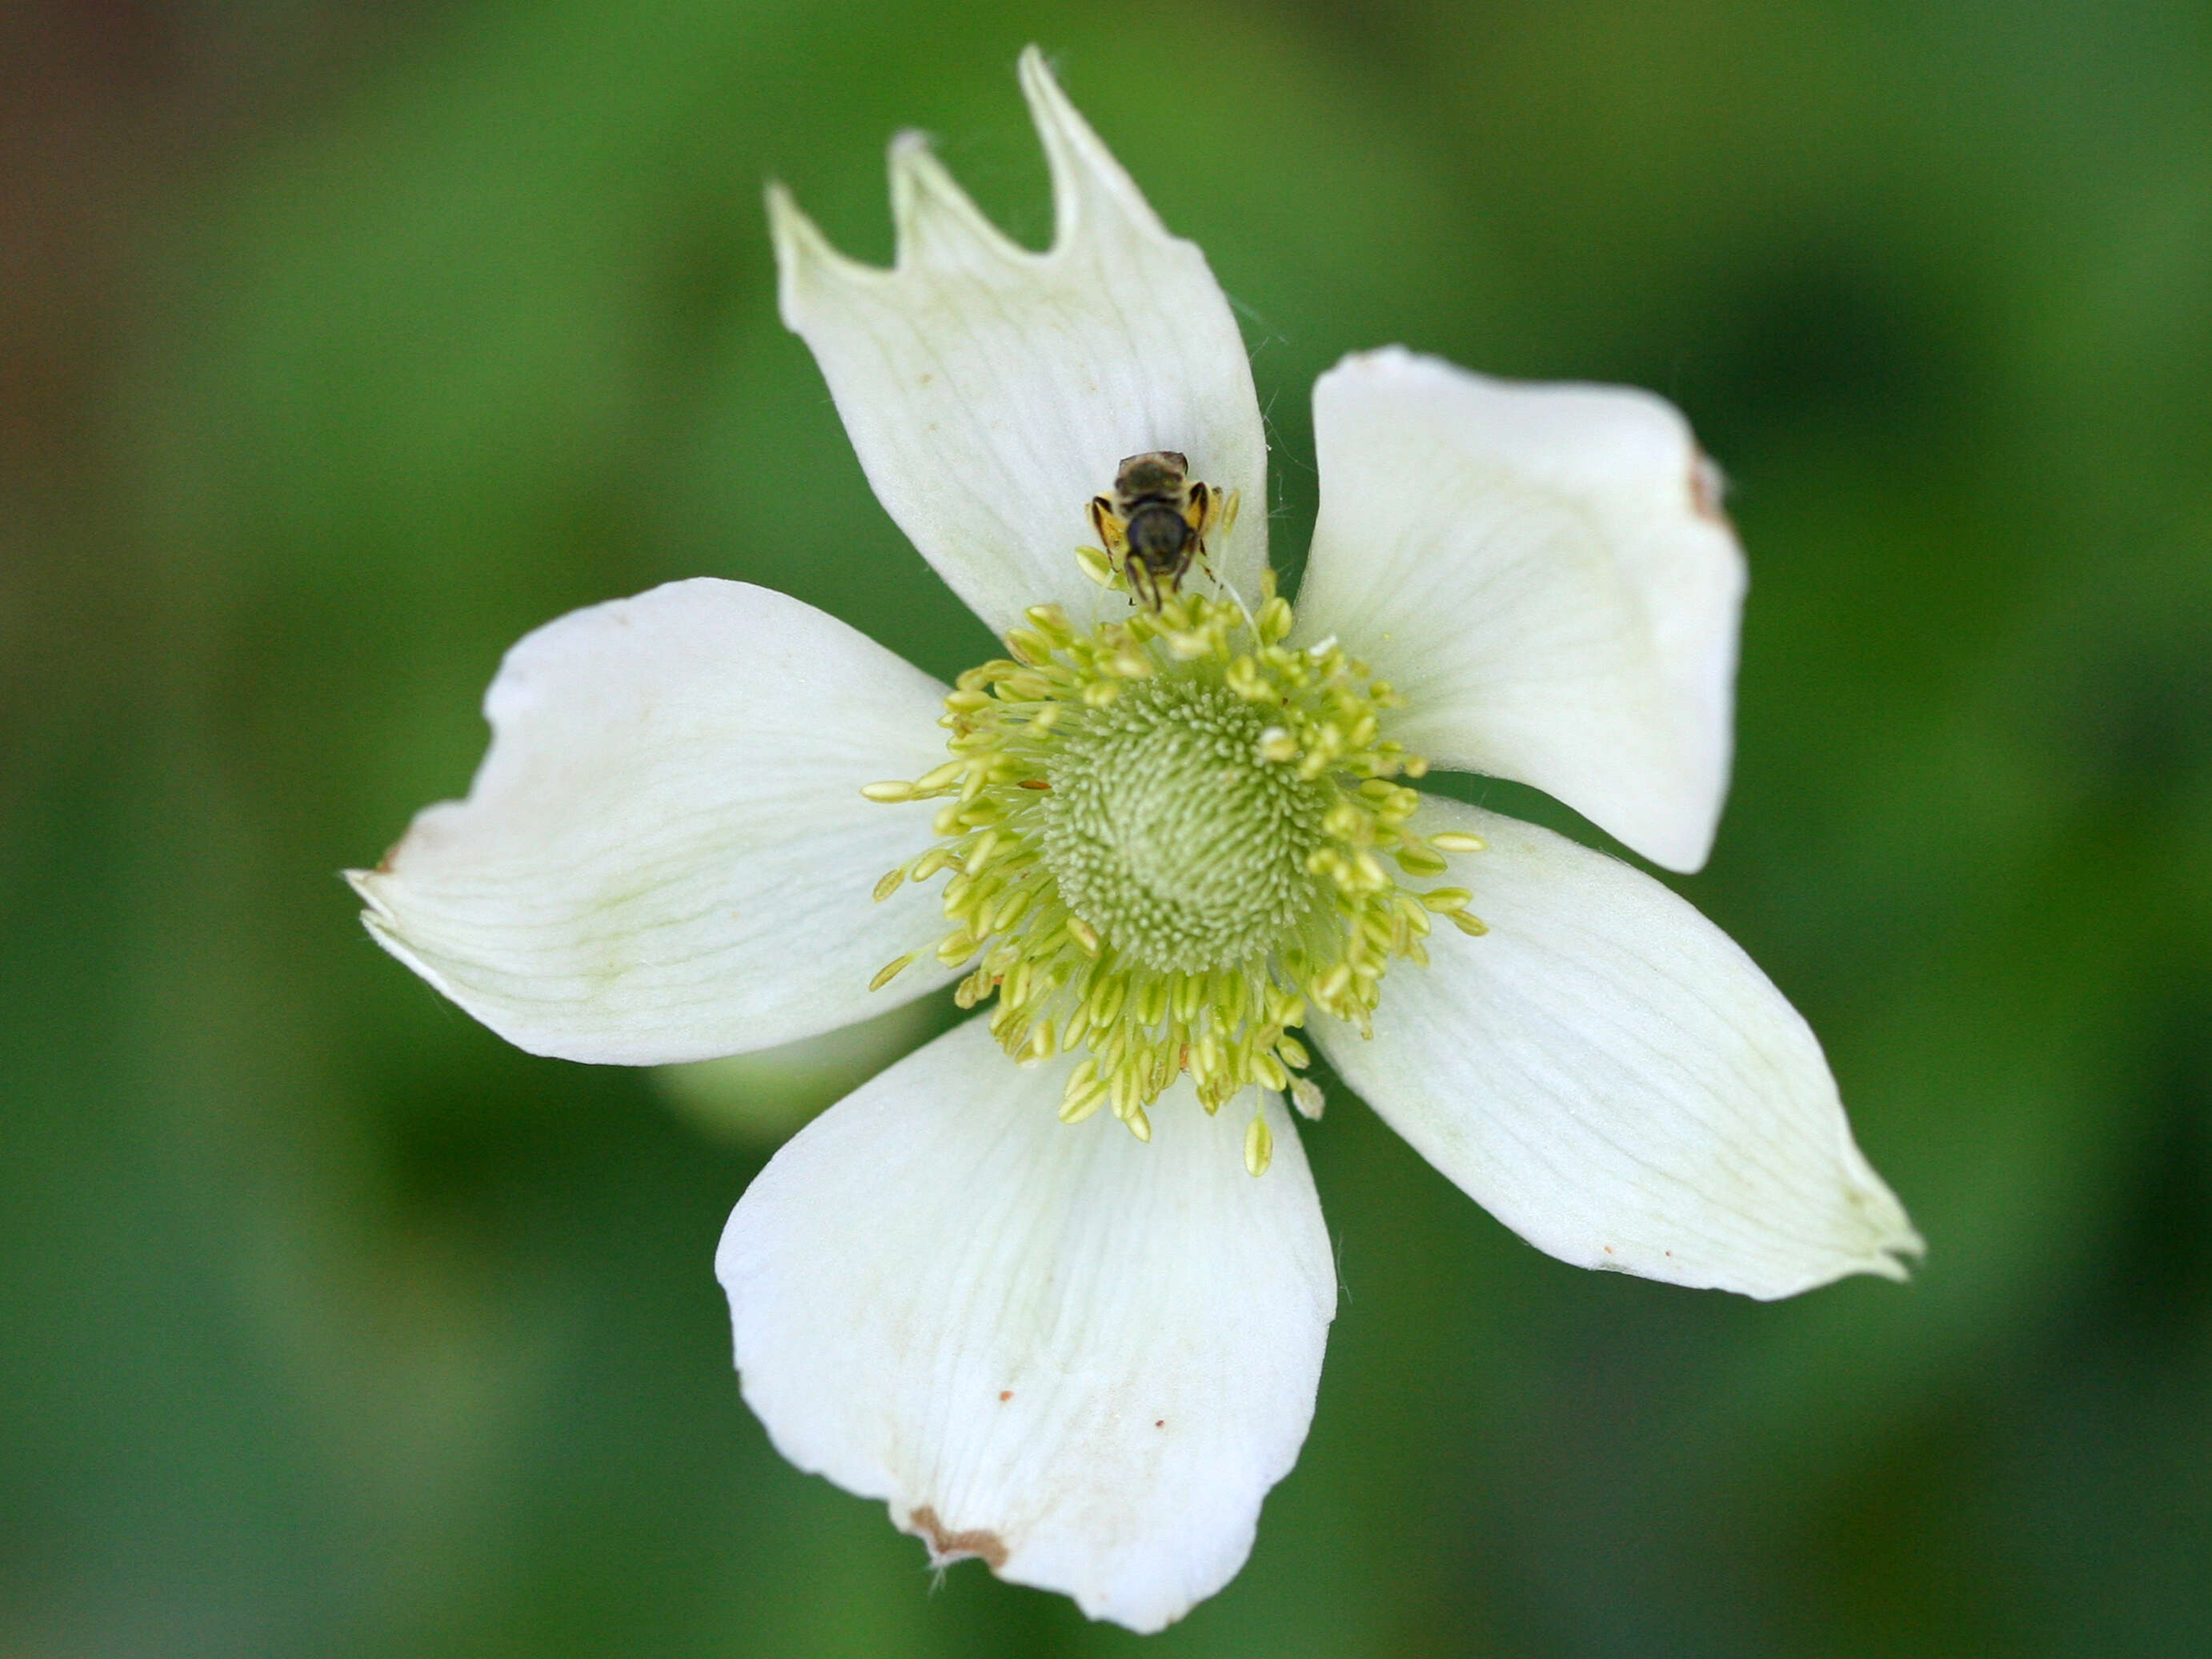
<point x="1173" y="841"/>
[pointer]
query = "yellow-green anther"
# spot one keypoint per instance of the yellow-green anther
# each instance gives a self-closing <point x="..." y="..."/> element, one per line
<point x="1009" y="911"/>
<point x="1051" y="620"/>
<point x="1456" y="840"/>
<point x="1447" y="899"/>
<point x="1107" y="1004"/>
<point x="892" y="789"/>
<point x="889" y="971"/>
<point x="1231" y="1004"/>
<point x="1259" y="1146"/>
<point x="1473" y="926"/>
<point x="1189" y="996"/>
<point x="1151" y="1000"/>
<point x="1077" y="1107"/>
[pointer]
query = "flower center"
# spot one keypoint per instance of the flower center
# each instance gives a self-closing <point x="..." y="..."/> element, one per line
<point x="1167" y="839"/>
<point x="1168" y="834"/>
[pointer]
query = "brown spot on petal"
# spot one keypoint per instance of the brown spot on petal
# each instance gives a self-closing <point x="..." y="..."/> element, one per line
<point x="945" y="1547"/>
<point x="1005" y="1394"/>
<point x="1706" y="487"/>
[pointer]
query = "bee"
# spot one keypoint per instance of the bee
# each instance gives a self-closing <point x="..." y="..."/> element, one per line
<point x="1155" y="523"/>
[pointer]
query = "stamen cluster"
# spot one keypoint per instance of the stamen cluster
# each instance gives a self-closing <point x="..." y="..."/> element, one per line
<point x="1168" y="839"/>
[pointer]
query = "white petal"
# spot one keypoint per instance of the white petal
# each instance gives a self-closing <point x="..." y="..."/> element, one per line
<point x="992" y="391"/>
<point x="1544" y="571"/>
<point x="1082" y="1358"/>
<point x="665" y="855"/>
<point x="1608" y="1075"/>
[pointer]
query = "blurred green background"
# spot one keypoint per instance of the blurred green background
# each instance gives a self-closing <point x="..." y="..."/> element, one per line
<point x="342" y="343"/>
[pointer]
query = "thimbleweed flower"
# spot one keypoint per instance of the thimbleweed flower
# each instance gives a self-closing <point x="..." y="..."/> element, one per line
<point x="1056" y="1287"/>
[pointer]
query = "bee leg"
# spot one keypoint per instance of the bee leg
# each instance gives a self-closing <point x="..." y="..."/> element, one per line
<point x="1209" y="515"/>
<point x="1144" y="584"/>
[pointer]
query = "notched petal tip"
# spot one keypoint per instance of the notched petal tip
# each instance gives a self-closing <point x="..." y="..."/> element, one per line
<point x="369" y="885"/>
<point x="1893" y="1256"/>
<point x="1895" y="1264"/>
<point x="805" y="259"/>
<point x="1899" y="1248"/>
<point x="382" y="924"/>
<point x="1893" y="1247"/>
<point x="1089" y="186"/>
<point x="937" y="222"/>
